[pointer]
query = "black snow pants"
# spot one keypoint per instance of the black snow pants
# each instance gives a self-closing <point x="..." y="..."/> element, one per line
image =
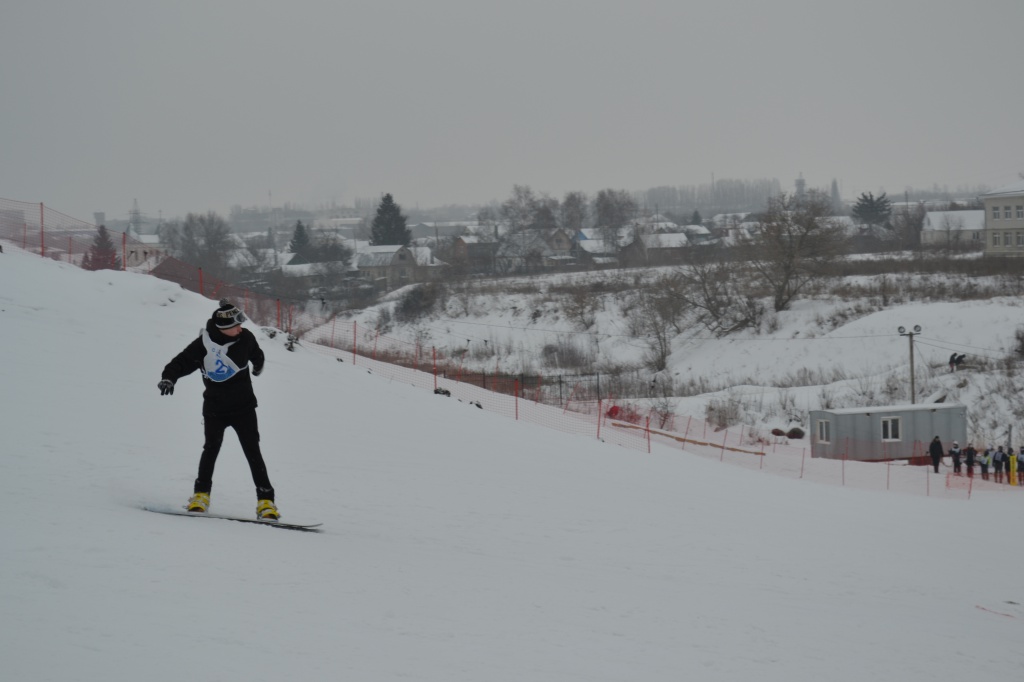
<point x="246" y="427"/>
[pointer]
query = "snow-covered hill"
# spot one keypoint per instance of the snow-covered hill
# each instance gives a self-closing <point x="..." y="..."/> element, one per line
<point x="826" y="352"/>
<point x="458" y="545"/>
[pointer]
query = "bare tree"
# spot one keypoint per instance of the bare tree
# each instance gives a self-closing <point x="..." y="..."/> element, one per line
<point x="203" y="240"/>
<point x="794" y="244"/>
<point x="614" y="208"/>
<point x="655" y="314"/>
<point x="908" y="225"/>
<point x="574" y="211"/>
<point x="519" y="209"/>
<point x="952" y="228"/>
<point x="711" y="287"/>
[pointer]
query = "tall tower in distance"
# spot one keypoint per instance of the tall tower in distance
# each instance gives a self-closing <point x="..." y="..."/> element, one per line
<point x="135" y="218"/>
<point x="801" y="188"/>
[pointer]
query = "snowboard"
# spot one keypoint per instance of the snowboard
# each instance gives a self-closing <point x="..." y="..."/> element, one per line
<point x="305" y="527"/>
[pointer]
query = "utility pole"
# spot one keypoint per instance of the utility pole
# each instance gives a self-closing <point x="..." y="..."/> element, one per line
<point x="910" y="336"/>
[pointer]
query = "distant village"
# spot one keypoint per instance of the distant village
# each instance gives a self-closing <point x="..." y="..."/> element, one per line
<point x="487" y="245"/>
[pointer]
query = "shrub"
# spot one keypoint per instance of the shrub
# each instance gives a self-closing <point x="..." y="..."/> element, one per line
<point x="795" y="433"/>
<point x="416" y="303"/>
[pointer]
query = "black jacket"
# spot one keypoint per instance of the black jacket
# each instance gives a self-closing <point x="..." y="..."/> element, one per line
<point x="224" y="397"/>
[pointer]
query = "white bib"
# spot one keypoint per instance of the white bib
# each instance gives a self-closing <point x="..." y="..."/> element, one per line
<point x="217" y="366"/>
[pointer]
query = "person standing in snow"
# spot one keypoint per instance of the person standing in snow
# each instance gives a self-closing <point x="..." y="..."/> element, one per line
<point x="935" y="450"/>
<point x="969" y="454"/>
<point x="955" y="452"/>
<point x="223" y="352"/>
<point x="998" y="459"/>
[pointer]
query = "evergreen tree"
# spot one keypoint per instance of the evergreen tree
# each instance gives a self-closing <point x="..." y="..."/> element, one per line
<point x="872" y="210"/>
<point x="695" y="219"/>
<point x="102" y="255"/>
<point x="300" y="242"/>
<point x="388" y="226"/>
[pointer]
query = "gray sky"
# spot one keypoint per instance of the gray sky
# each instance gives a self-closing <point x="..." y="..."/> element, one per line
<point x="200" y="105"/>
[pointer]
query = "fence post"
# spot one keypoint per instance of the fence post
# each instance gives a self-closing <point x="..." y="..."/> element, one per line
<point x="124" y="251"/>
<point x="803" y="456"/>
<point x="200" y="281"/>
<point x="42" y="232"/>
<point x="600" y="416"/>
<point x="515" y="385"/>
<point x="648" y="429"/>
<point x="434" y="349"/>
<point x="721" y="457"/>
<point x="571" y="396"/>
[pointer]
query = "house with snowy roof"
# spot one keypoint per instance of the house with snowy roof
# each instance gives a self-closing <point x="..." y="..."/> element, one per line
<point x="953" y="229"/>
<point x="475" y="252"/>
<point x="533" y="250"/>
<point x="392" y="266"/>
<point x="655" y="249"/>
<point x="1004" y="220"/>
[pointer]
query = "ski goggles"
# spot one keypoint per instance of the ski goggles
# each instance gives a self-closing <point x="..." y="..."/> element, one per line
<point x="225" y="319"/>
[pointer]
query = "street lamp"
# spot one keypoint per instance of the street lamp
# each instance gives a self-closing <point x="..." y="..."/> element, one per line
<point x="910" y="335"/>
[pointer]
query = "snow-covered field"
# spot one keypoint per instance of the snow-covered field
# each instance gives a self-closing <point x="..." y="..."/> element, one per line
<point x="457" y="545"/>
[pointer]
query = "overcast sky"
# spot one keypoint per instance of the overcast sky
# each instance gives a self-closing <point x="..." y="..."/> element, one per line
<point x="192" y="105"/>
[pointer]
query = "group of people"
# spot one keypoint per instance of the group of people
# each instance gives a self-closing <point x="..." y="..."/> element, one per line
<point x="1006" y="465"/>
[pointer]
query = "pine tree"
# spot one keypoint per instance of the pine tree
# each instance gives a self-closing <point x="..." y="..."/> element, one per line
<point x="695" y="219"/>
<point x="300" y="242"/>
<point x="102" y="255"/>
<point x="389" y="224"/>
<point x="872" y="210"/>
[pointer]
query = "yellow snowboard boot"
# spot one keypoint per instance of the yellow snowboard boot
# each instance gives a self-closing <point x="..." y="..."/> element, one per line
<point x="198" y="503"/>
<point x="267" y="511"/>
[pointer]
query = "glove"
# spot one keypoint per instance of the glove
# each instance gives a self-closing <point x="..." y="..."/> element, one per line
<point x="256" y="371"/>
<point x="166" y="387"/>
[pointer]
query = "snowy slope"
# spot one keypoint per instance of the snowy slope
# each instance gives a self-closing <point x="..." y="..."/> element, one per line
<point x="458" y="545"/>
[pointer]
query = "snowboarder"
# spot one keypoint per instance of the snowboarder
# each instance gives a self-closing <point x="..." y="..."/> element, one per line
<point x="985" y="461"/>
<point x="998" y="460"/>
<point x="955" y="452"/>
<point x="935" y="450"/>
<point x="222" y="352"/>
<point x="969" y="454"/>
